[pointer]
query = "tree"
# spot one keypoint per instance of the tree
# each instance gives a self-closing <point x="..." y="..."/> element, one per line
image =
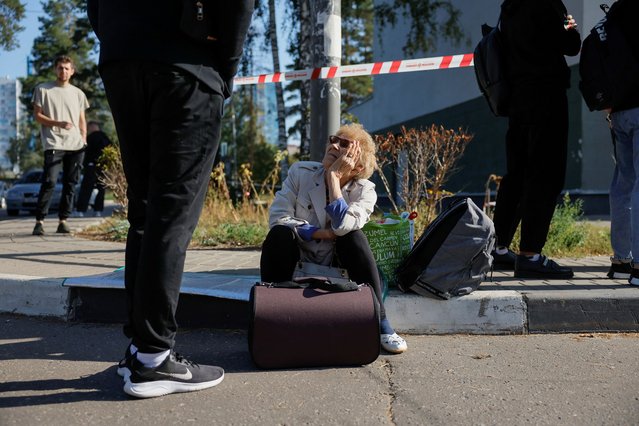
<point x="357" y="48"/>
<point x="279" y="93"/>
<point x="25" y="150"/>
<point x="426" y="25"/>
<point x="429" y="20"/>
<point x="65" y="30"/>
<point x="11" y="13"/>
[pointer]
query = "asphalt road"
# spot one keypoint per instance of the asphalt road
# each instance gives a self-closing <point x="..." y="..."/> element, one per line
<point x="58" y="373"/>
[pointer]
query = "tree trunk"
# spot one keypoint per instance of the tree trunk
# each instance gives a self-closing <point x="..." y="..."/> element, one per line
<point x="279" y="92"/>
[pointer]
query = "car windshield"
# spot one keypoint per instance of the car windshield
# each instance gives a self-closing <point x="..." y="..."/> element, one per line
<point x="35" y="177"/>
<point x="31" y="177"/>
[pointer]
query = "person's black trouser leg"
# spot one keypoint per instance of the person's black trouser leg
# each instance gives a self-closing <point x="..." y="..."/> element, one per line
<point x="168" y="124"/>
<point x="51" y="170"/>
<point x="280" y="253"/>
<point x="86" y="188"/>
<point x="71" y="169"/>
<point x="355" y="254"/>
<point x="536" y="152"/>
<point x="98" y="202"/>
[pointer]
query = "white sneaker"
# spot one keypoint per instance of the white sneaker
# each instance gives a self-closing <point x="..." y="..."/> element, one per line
<point x="393" y="343"/>
<point x="97" y="214"/>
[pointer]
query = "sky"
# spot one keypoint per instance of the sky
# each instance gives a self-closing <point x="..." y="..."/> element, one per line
<point x="14" y="63"/>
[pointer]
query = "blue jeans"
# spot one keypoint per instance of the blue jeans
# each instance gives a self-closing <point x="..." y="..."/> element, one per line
<point x="624" y="189"/>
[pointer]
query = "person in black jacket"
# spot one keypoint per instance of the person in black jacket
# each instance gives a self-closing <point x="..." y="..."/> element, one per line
<point x="624" y="188"/>
<point x="97" y="140"/>
<point x="167" y="67"/>
<point x="537" y="34"/>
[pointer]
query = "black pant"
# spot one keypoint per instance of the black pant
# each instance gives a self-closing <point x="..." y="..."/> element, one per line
<point x="70" y="162"/>
<point x="168" y="124"/>
<point x="90" y="180"/>
<point x="536" y="150"/>
<point x="280" y="254"/>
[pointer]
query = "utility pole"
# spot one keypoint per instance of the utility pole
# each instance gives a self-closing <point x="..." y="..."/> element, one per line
<point x="326" y="42"/>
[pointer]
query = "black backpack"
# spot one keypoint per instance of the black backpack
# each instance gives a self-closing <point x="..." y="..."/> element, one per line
<point x="608" y="69"/>
<point x="490" y="70"/>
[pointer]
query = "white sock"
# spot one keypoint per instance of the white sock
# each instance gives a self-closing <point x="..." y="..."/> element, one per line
<point x="534" y="257"/>
<point x="152" y="360"/>
<point x="134" y="349"/>
<point x="501" y="250"/>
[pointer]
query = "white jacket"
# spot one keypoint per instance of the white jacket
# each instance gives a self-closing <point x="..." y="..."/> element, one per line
<point x="302" y="199"/>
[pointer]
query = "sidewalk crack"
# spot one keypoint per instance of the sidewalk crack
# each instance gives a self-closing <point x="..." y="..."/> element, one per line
<point x="389" y="372"/>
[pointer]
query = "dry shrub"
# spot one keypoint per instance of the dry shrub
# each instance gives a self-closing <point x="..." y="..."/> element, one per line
<point x="422" y="161"/>
<point x="252" y="207"/>
<point x="113" y="175"/>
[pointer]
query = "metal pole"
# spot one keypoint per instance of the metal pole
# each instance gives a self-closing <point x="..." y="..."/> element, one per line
<point x="325" y="94"/>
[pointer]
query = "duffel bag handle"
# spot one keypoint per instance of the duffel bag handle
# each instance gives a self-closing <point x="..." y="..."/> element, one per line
<point x="317" y="283"/>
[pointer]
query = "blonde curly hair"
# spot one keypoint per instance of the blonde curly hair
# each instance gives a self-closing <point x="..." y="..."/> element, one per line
<point x="367" y="159"/>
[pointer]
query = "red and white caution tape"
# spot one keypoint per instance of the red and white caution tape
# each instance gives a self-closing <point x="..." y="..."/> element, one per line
<point x="376" y="68"/>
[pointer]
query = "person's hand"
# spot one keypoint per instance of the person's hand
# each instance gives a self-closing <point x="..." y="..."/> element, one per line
<point x="570" y="23"/>
<point x="346" y="163"/>
<point x="66" y="125"/>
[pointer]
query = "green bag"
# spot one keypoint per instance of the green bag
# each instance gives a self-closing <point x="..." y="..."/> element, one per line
<point x="390" y="240"/>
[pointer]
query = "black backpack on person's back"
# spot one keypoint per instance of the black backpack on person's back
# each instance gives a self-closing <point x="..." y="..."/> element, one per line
<point x="608" y="68"/>
<point x="489" y="62"/>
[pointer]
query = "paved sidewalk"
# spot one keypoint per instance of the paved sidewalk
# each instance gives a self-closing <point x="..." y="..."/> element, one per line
<point x="33" y="270"/>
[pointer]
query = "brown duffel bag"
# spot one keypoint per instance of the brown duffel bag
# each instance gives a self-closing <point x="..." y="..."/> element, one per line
<point x="313" y="324"/>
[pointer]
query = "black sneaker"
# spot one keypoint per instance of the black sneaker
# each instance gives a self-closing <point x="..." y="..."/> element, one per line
<point x="38" y="229"/>
<point x="63" y="228"/>
<point x="124" y="366"/>
<point x="175" y="374"/>
<point x="504" y="262"/>
<point x="619" y="271"/>
<point x="634" y="277"/>
<point x="542" y="268"/>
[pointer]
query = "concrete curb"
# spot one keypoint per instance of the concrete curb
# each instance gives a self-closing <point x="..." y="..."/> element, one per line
<point x="481" y="312"/>
<point x="575" y="311"/>
<point x="36" y="296"/>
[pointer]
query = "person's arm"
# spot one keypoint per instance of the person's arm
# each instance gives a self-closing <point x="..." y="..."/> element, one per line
<point x="238" y="15"/>
<point x="361" y="205"/>
<point x="83" y="126"/>
<point x="48" y="121"/>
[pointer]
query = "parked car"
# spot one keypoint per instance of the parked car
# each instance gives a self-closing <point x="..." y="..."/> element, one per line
<point x="23" y="195"/>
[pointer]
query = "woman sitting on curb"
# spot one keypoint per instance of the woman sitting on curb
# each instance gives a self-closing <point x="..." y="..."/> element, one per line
<point x="318" y="217"/>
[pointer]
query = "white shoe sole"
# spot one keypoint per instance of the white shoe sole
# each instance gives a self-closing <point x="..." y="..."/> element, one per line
<point x="165" y="387"/>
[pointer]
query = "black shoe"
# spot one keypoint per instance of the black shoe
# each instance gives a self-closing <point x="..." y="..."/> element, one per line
<point x="542" y="268"/>
<point x="175" y="374"/>
<point x="619" y="271"/>
<point x="63" y="228"/>
<point x="634" y="277"/>
<point x="38" y="229"/>
<point x="124" y="366"/>
<point x="504" y="262"/>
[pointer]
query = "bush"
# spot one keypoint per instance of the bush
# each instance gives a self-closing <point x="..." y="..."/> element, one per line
<point x="422" y="161"/>
<point x="570" y="236"/>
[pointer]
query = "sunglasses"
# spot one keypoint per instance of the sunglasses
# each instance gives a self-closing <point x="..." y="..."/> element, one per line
<point x="342" y="142"/>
